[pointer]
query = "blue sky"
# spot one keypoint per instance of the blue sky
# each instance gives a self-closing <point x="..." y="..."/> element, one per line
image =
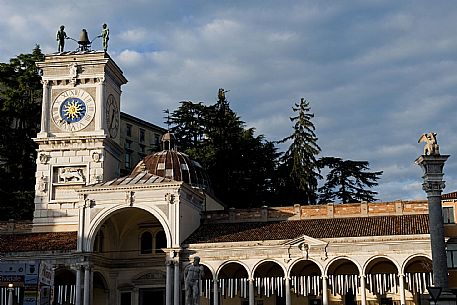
<point x="377" y="74"/>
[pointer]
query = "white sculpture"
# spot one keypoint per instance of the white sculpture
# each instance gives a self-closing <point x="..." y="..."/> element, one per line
<point x="431" y="146"/>
<point x="71" y="174"/>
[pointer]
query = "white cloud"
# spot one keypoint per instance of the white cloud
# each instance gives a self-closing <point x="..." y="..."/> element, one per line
<point x="133" y="35"/>
<point x="377" y="74"/>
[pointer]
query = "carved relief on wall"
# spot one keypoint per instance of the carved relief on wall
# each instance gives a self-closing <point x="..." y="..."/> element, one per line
<point x="71" y="175"/>
<point x="43" y="158"/>
<point x="42" y="183"/>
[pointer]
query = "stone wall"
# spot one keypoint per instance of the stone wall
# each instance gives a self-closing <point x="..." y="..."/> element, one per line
<point x="330" y="210"/>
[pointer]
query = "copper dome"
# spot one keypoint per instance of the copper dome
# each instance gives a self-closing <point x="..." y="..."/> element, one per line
<point x="175" y="165"/>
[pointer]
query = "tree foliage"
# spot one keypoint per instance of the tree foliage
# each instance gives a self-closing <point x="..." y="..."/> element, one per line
<point x="239" y="163"/>
<point x="347" y="181"/>
<point x="20" y="113"/>
<point x="298" y="171"/>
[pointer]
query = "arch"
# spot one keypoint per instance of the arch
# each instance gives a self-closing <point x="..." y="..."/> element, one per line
<point x="305" y="279"/>
<point x="146" y="242"/>
<point x="64" y="283"/>
<point x="64" y="276"/>
<point x="343" y="275"/>
<point x="381" y="275"/>
<point x="297" y="261"/>
<point x="417" y="271"/>
<point x="260" y="263"/>
<point x="160" y="240"/>
<point x="413" y="257"/>
<point x="99" y="219"/>
<point x="380" y="257"/>
<point x="330" y="263"/>
<point x="246" y="268"/>
<point x="99" y="280"/>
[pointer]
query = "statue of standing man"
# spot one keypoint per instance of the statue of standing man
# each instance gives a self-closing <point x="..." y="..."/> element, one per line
<point x="60" y="37"/>
<point x="192" y="276"/>
<point x="105" y="36"/>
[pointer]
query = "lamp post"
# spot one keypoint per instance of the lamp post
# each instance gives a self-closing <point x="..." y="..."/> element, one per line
<point x="10" y="293"/>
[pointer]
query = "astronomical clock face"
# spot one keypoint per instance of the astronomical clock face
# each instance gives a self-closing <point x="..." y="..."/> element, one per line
<point x="73" y="110"/>
<point x="112" y="116"/>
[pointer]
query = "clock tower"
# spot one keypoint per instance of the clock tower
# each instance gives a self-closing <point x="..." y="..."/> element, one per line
<point x="78" y="143"/>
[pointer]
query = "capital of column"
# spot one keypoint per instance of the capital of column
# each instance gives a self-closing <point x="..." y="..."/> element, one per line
<point x="87" y="266"/>
<point x="433" y="186"/>
<point x="75" y="267"/>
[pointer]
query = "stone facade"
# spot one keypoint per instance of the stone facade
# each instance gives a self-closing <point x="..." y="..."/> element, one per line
<point x="119" y="239"/>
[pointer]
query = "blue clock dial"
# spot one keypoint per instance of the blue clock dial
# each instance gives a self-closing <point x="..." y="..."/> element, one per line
<point x="72" y="110"/>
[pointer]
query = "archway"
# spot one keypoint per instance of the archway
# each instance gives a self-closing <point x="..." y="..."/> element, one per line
<point x="101" y="291"/>
<point x="64" y="287"/>
<point x="127" y="238"/>
<point x="233" y="283"/>
<point x="344" y="281"/>
<point x="418" y="276"/>
<point x="269" y="282"/>
<point x="306" y="283"/>
<point x="382" y="281"/>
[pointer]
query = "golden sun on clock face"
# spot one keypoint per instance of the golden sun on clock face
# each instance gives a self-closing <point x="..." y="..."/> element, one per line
<point x="73" y="110"/>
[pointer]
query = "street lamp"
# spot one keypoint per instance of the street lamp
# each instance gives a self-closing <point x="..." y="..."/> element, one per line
<point x="10" y="293"/>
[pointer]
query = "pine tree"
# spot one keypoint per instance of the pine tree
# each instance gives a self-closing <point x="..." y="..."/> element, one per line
<point x="189" y="122"/>
<point x="20" y="113"/>
<point x="298" y="170"/>
<point x="348" y="181"/>
<point x="240" y="165"/>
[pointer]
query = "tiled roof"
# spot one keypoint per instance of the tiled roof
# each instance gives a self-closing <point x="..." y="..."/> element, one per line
<point x="316" y="228"/>
<point x="142" y="177"/>
<point x="174" y="165"/>
<point x="452" y="195"/>
<point x="50" y="241"/>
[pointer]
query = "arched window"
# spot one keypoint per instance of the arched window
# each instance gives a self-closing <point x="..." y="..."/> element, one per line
<point x="146" y="243"/>
<point x="161" y="241"/>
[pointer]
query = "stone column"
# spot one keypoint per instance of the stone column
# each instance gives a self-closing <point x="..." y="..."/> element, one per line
<point x="45" y="109"/>
<point x="363" y="291"/>
<point x="100" y="104"/>
<point x="287" y="290"/>
<point x="177" y="285"/>
<point x="78" y="285"/>
<point x="433" y="185"/>
<point x="87" y="277"/>
<point x="169" y="285"/>
<point x="113" y="287"/>
<point x="251" y="292"/>
<point x="401" y="279"/>
<point x="324" y="290"/>
<point x="215" y="291"/>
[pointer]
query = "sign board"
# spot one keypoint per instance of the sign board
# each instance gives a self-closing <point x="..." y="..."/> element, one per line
<point x="46" y="276"/>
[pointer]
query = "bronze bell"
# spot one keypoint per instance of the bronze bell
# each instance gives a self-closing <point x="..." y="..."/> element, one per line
<point x="84" y="42"/>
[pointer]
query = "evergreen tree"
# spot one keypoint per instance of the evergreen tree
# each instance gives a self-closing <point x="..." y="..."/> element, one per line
<point x="240" y="165"/>
<point x="348" y="181"/>
<point x="189" y="122"/>
<point x="20" y="113"/>
<point x="298" y="171"/>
